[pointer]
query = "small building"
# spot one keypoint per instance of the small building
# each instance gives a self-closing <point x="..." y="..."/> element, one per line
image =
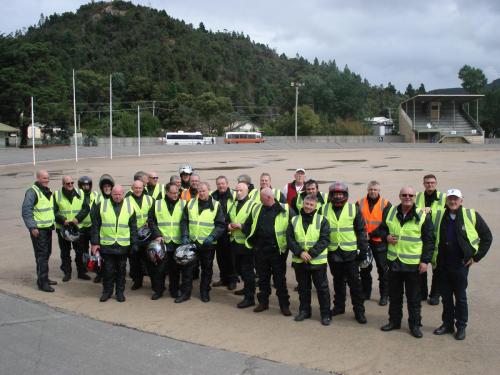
<point x="242" y="126"/>
<point x="8" y="136"/>
<point x="441" y="119"/>
<point x="381" y="125"/>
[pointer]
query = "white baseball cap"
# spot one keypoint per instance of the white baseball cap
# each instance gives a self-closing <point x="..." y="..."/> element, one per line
<point x="454" y="192"/>
<point x="300" y="170"/>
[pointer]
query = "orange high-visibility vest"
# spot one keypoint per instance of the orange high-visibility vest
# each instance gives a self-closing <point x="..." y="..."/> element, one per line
<point x="374" y="218"/>
<point x="186" y="195"/>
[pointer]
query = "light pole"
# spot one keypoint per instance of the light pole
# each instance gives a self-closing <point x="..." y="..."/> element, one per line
<point x="296" y="85"/>
<point x="74" y="118"/>
<point x="110" y="117"/>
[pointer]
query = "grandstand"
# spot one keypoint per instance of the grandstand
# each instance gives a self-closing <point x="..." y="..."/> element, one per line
<point x="441" y="119"/>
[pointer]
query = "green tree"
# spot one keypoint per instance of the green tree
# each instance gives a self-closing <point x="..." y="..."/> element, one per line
<point x="410" y="91"/>
<point x="473" y="79"/>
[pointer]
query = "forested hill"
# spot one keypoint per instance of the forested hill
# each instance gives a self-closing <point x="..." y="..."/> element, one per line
<point x="196" y="77"/>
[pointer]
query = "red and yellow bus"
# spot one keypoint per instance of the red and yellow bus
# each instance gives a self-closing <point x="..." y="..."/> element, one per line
<point x="243" y="137"/>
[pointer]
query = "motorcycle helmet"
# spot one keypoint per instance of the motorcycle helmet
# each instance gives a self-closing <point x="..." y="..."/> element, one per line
<point x="365" y="263"/>
<point x="338" y="187"/>
<point x="143" y="235"/>
<point x="156" y="251"/>
<point x="93" y="262"/>
<point x="85" y="180"/>
<point x="186" y="169"/>
<point x="185" y="254"/>
<point x="70" y="232"/>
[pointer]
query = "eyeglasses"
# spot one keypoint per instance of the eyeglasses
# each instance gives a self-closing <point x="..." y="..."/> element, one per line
<point x="69" y="183"/>
<point x="407" y="195"/>
<point x="154" y="178"/>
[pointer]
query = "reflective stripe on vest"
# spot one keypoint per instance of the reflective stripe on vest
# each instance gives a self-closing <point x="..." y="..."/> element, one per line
<point x="141" y="213"/>
<point x="408" y="249"/>
<point x="115" y="230"/>
<point x="309" y="239"/>
<point x="342" y="233"/>
<point x="67" y="209"/>
<point x="372" y="219"/>
<point x="87" y="221"/>
<point x="169" y="224"/>
<point x="280" y="225"/>
<point x="201" y="225"/>
<point x="43" y="211"/>
<point x="469" y="216"/>
<point x="240" y="218"/>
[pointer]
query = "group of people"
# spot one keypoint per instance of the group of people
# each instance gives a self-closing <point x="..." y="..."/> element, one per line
<point x="251" y="230"/>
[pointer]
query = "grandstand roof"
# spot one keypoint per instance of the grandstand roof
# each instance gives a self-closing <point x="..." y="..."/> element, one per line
<point x="445" y="97"/>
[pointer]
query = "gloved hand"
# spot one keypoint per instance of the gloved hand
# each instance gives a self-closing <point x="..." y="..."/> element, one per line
<point x="185" y="240"/>
<point x="361" y="256"/>
<point x="208" y="241"/>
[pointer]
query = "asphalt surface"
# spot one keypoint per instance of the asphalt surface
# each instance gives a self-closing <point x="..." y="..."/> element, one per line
<point x="37" y="339"/>
<point x="25" y="155"/>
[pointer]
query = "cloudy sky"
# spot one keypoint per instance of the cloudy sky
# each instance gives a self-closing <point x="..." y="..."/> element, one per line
<point x="386" y="40"/>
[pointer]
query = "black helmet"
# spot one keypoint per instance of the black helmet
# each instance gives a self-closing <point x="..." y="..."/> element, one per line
<point x="156" y="251"/>
<point x="365" y="263"/>
<point x="338" y="187"/>
<point x="185" y="254"/>
<point x="70" y="232"/>
<point x="106" y="179"/>
<point x="143" y="235"/>
<point x="85" y="180"/>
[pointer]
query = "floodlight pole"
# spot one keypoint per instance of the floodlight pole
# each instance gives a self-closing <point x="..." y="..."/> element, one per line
<point x="110" y="118"/>
<point x="74" y="117"/>
<point x="138" y="131"/>
<point x="33" y="131"/>
<point x="296" y="85"/>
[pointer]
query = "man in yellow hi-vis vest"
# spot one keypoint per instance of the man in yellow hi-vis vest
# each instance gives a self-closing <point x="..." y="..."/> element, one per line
<point x="244" y="257"/>
<point x="38" y="216"/>
<point x="410" y="236"/>
<point x="142" y="203"/>
<point x="308" y="237"/>
<point x="70" y="208"/>
<point x="113" y="233"/>
<point x="203" y="223"/>
<point x="164" y="220"/>
<point x="432" y="202"/>
<point x="265" y="230"/>
<point x="348" y="245"/>
<point x="463" y="239"/>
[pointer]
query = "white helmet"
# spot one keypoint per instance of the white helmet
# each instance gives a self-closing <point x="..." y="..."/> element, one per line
<point x="187" y="169"/>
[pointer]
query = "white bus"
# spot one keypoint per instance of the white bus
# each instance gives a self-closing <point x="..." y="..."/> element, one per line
<point x="243" y="137"/>
<point x="184" y="138"/>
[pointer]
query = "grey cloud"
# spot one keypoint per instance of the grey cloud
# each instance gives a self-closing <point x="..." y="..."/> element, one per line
<point x="388" y="40"/>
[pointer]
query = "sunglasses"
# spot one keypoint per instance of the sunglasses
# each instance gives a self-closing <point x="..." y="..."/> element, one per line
<point x="407" y="195"/>
<point x="69" y="183"/>
<point x="154" y="178"/>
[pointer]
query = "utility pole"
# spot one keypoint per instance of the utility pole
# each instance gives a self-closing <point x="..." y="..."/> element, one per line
<point x="296" y="85"/>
